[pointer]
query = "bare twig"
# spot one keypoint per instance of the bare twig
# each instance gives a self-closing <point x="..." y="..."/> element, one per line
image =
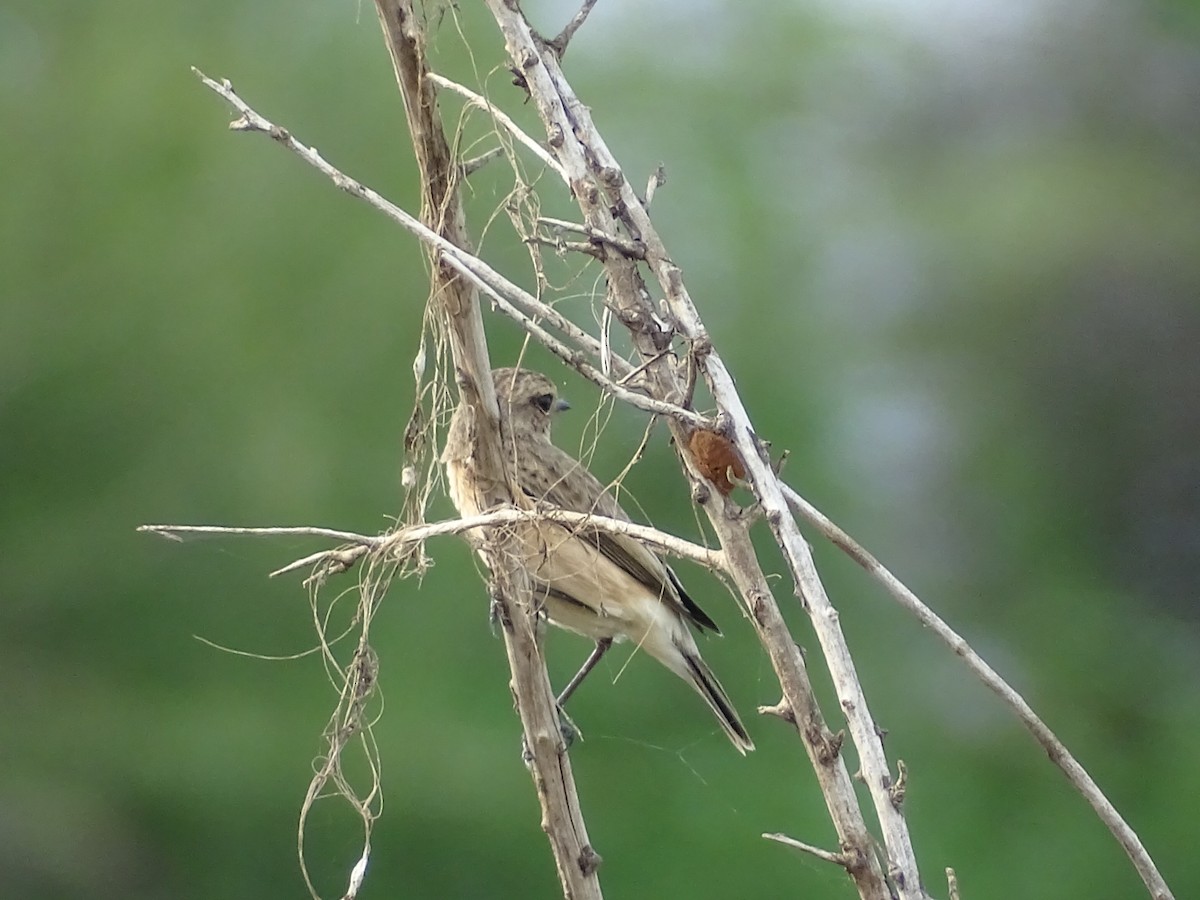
<point x="838" y="859"/>
<point x="657" y="179"/>
<point x="632" y="249"/>
<point x="600" y="187"/>
<point x="952" y="884"/>
<point x="501" y="119"/>
<point x="470" y="166"/>
<point x="559" y="44"/>
<point x="799" y="705"/>
<point x="587" y="248"/>
<point x="1055" y="749"/>
<point x="177" y="531"/>
<point x="483" y="275"/>
<point x="392" y="541"/>
<point x="325" y="563"/>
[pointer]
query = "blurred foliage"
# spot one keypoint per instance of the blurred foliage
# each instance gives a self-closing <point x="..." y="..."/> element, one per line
<point x="974" y="231"/>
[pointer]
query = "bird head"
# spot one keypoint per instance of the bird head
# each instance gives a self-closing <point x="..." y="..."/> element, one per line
<point x="527" y="400"/>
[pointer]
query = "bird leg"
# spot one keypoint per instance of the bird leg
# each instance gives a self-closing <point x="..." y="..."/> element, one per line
<point x="598" y="651"/>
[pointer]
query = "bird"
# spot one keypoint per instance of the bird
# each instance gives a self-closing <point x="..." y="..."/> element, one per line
<point x="605" y="586"/>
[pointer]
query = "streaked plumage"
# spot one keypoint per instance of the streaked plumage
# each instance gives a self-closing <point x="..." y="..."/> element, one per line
<point x="601" y="585"/>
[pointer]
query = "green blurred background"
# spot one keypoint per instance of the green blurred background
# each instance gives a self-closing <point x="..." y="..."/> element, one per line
<point x="951" y="252"/>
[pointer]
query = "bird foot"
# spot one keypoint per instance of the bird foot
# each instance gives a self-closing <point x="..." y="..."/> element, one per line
<point x="568" y="729"/>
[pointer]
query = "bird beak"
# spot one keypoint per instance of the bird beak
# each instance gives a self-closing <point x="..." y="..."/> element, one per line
<point x="561" y="405"/>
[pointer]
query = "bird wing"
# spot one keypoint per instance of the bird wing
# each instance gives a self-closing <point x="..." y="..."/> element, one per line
<point x="565" y="482"/>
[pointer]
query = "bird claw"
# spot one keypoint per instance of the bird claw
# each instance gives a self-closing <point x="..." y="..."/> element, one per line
<point x="567" y="729"/>
<point x="526" y="754"/>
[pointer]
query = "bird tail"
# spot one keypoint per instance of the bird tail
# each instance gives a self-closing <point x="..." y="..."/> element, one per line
<point x="697" y="673"/>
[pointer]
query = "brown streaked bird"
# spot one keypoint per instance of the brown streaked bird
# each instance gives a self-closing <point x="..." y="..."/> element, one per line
<point x="608" y="587"/>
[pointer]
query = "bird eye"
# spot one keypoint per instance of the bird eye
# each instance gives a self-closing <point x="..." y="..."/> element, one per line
<point x="544" y="402"/>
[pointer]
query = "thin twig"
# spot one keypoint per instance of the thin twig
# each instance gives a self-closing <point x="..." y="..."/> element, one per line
<point x="470" y="166"/>
<point x="632" y="249"/>
<point x="250" y="120"/>
<point x="657" y="179"/>
<point x="952" y="884"/>
<point x="501" y="119"/>
<point x="325" y="562"/>
<point x="496" y="285"/>
<point x="838" y="859"/>
<point x="484" y="276"/>
<point x="391" y="541"/>
<point x="561" y="246"/>
<point x="175" y="532"/>
<point x="1055" y="749"/>
<point x="564" y="37"/>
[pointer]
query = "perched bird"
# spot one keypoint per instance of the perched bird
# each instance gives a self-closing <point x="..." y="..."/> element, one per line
<point x="605" y="586"/>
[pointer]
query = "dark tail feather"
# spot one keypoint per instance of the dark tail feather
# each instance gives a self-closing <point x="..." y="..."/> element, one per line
<point x="707" y="686"/>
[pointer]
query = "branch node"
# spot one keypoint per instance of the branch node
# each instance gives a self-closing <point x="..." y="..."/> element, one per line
<point x="828" y="746"/>
<point x="471" y="166"/>
<point x="613" y="178"/>
<point x="781" y="710"/>
<point x="589" y="860"/>
<point x="777" y="467"/>
<point x="701" y="345"/>
<point x="759" y="606"/>
<point x="898" y="788"/>
<point x="657" y="179"/>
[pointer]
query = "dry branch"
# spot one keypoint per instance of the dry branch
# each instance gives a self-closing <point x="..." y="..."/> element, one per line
<point x="1055" y="749"/>
<point x="599" y="187"/>
<point x="608" y="201"/>
<point x="620" y="234"/>
<point x="500" y="117"/>
<point x="441" y="210"/>
<point x="392" y="542"/>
